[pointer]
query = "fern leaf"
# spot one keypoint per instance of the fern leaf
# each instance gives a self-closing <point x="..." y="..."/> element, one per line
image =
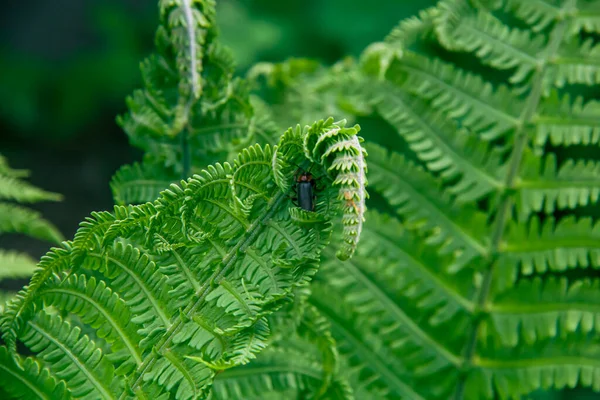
<point x="72" y="357"/>
<point x="100" y="308"/>
<point x="420" y="269"/>
<point x="17" y="219"/>
<point x="18" y="310"/>
<point x="201" y="268"/>
<point x="187" y="23"/>
<point x="409" y="31"/>
<point x="525" y="369"/>
<point x="416" y="196"/>
<point x="343" y="158"/>
<point x="548" y="187"/>
<point x="456" y="155"/>
<point x="12" y="188"/>
<point x="578" y="63"/>
<point x="461" y="28"/>
<point x="28" y="380"/>
<point x="476" y="298"/>
<point x="137" y="183"/>
<point x="15" y="265"/>
<point x="186" y="378"/>
<point x="538" y="14"/>
<point x="376" y="323"/>
<point x="565" y="123"/>
<point x="303" y="362"/>
<point x="137" y="279"/>
<point x="585" y="17"/>
<point x="536" y="247"/>
<point x="5" y="297"/>
<point x="485" y="109"/>
<point x="545" y="308"/>
<point x="381" y="375"/>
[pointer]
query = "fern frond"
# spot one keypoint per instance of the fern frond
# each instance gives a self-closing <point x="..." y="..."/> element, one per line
<point x="11" y="321"/>
<point x="455" y="154"/>
<point x="138" y="183"/>
<point x="417" y="197"/>
<point x="461" y="28"/>
<point x="15" y="265"/>
<point x="585" y="17"/>
<point x="485" y="109"/>
<point x="409" y="31"/>
<point x="187" y="23"/>
<point x="577" y="63"/>
<point x="398" y="304"/>
<point x="13" y="188"/>
<point x="179" y="288"/>
<point x="546" y="187"/>
<point x="557" y="246"/>
<point x="420" y="269"/>
<point x="100" y="308"/>
<point x="304" y="362"/>
<point x="563" y="122"/>
<point x="191" y="110"/>
<point x="549" y="365"/>
<point x="72" y="357"/>
<point x="538" y="14"/>
<point x="18" y="219"/>
<point x="379" y="375"/>
<point x="343" y="158"/>
<point x="5" y="297"/>
<point x="534" y="310"/>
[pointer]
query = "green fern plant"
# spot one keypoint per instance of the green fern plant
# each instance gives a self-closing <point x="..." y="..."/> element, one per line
<point x="157" y="299"/>
<point x="475" y="278"/>
<point x="489" y="308"/>
<point x="475" y="274"/>
<point x="15" y="218"/>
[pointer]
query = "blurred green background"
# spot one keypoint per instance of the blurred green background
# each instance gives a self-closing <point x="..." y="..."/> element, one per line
<point x="67" y="65"/>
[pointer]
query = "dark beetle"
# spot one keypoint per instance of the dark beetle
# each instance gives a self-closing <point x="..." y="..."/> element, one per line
<point x="305" y="191"/>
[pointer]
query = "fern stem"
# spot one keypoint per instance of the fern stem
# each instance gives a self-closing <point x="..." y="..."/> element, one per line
<point x="501" y="220"/>
<point x="228" y="263"/>
<point x="189" y="21"/>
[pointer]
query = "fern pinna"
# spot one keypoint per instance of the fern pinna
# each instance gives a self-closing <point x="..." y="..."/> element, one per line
<point x="156" y="299"/>
<point x="475" y="280"/>
<point x="15" y="218"/>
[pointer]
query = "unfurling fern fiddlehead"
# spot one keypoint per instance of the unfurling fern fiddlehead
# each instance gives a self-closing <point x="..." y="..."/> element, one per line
<point x="179" y="289"/>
